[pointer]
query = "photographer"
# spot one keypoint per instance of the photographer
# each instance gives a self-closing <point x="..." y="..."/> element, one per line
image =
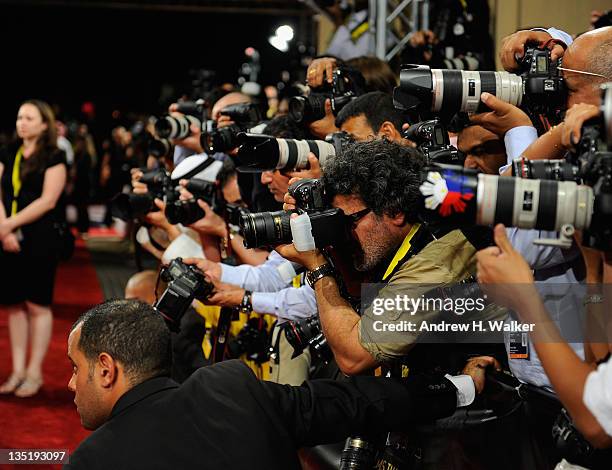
<point x="215" y="229"/>
<point x="376" y="185"/>
<point x="508" y="279"/>
<point x="191" y="145"/>
<point x="586" y="65"/>
<point x="125" y="394"/>
<point x="372" y="116"/>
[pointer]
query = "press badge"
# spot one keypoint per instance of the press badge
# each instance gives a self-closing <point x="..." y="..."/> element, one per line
<point x="519" y="346"/>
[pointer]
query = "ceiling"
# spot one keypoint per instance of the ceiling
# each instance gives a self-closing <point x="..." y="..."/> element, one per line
<point x="265" y="7"/>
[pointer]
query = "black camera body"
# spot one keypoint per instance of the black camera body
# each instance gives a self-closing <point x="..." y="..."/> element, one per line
<point x="595" y="156"/>
<point x="307" y="333"/>
<point x="329" y="225"/>
<point x="346" y="85"/>
<point x="431" y="138"/>
<point x="244" y="115"/>
<point x="133" y="206"/>
<point x="188" y="211"/>
<point x="185" y="283"/>
<point x="543" y="85"/>
<point x="234" y="213"/>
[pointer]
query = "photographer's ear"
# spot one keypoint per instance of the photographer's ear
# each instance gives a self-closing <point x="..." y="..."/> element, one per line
<point x="389" y="131"/>
<point x="107" y="370"/>
<point x="399" y="220"/>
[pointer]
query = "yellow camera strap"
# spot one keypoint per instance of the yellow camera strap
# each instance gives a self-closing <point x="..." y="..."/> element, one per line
<point x="16" y="180"/>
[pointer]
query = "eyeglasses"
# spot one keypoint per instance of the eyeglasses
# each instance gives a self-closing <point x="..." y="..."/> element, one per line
<point x="357" y="216"/>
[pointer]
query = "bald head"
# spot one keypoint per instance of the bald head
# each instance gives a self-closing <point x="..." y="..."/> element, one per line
<point x="228" y="100"/>
<point x="590" y="52"/>
<point x="141" y="286"/>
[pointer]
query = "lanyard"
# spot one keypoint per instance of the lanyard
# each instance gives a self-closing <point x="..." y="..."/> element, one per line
<point x="402" y="251"/>
<point x="16" y="180"/>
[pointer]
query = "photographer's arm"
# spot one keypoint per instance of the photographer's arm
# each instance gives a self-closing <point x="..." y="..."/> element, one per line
<point x="340" y="322"/>
<point x="53" y="186"/>
<point x="559" y="139"/>
<point x="507" y="279"/>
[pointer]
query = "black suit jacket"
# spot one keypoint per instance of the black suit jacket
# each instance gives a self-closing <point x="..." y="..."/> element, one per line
<point x="223" y="417"/>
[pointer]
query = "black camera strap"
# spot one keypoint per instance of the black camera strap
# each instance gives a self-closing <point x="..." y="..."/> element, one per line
<point x="222" y="335"/>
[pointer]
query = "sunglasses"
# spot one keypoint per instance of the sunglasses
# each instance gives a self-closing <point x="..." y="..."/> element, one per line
<point x="357" y="216"/>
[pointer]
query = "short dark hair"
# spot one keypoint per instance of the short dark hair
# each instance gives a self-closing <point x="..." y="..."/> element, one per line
<point x="376" y="106"/>
<point x="286" y="128"/>
<point x="227" y="171"/>
<point x="132" y="332"/>
<point x="385" y="175"/>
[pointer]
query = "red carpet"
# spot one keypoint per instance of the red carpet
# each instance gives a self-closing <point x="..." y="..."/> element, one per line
<point x="49" y="420"/>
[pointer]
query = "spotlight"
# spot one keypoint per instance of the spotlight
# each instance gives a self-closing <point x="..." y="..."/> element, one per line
<point x="285" y="32"/>
<point x="282" y="36"/>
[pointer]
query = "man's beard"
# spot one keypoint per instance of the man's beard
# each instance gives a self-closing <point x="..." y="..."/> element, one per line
<point x="369" y="257"/>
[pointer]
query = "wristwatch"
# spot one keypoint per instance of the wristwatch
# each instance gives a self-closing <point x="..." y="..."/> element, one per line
<point x="319" y="273"/>
<point x="246" y="304"/>
<point x="593" y="299"/>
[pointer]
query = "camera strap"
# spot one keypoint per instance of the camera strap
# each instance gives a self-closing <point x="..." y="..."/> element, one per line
<point x="16" y="179"/>
<point x="222" y="335"/>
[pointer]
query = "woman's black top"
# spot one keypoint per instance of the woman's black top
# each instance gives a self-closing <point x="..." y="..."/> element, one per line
<point x="39" y="237"/>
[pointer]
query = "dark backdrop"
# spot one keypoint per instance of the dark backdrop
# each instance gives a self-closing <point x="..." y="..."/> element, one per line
<point x="119" y="59"/>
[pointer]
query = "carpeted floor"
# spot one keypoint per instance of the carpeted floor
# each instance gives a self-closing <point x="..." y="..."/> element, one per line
<point x="50" y="420"/>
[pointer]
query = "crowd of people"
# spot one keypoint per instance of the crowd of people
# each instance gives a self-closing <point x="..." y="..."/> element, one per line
<point x="292" y="229"/>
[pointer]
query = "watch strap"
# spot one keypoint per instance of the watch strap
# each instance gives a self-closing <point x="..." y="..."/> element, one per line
<point x="319" y="273"/>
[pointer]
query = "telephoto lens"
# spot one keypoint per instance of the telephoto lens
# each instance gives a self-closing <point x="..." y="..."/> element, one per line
<point x="260" y="152"/>
<point x="554" y="170"/>
<point x="453" y="91"/>
<point x="307" y="109"/>
<point x="264" y="229"/>
<point x="176" y="127"/>
<point x="159" y="148"/>
<point x="465" y="197"/>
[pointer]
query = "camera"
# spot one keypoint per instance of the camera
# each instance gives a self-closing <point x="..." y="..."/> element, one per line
<point x="214" y="139"/>
<point x="346" y="85"/>
<point x="187" y="212"/>
<point x="539" y="88"/>
<point x="431" y="138"/>
<point x="259" y="152"/>
<point x="555" y="170"/>
<point x="570" y="194"/>
<point x="176" y="127"/>
<point x="185" y="283"/>
<point x="463" y="197"/>
<point x="234" y="212"/>
<point x="329" y="225"/>
<point x="252" y="340"/>
<point x="159" y="148"/>
<point x="135" y="206"/>
<point x="307" y="333"/>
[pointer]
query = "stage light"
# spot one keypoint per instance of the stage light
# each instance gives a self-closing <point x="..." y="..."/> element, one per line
<point x="285" y="32"/>
<point x="282" y="36"/>
<point x="278" y="43"/>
